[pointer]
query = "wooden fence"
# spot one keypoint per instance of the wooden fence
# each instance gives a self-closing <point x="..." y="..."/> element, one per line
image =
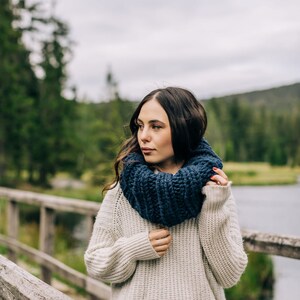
<point x="48" y="205"/>
<point x="16" y="283"/>
<point x="272" y="244"/>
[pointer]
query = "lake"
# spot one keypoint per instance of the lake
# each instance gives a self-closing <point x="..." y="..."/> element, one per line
<point x="274" y="209"/>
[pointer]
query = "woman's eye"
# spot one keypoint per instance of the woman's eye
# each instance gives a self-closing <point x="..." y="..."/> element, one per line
<point x="156" y="127"/>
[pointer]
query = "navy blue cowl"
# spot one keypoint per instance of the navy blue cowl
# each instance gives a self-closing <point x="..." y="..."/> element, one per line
<point x="165" y="198"/>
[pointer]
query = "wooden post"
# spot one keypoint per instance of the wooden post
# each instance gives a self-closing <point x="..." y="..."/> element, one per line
<point x="90" y="224"/>
<point x="12" y="225"/>
<point x="47" y="229"/>
<point x="90" y="220"/>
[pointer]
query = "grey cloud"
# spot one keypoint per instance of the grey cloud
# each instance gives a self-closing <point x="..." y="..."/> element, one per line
<point x="211" y="46"/>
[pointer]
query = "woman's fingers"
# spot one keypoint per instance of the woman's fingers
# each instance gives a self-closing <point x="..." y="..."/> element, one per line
<point x="220" y="178"/>
<point x="161" y="253"/>
<point x="158" y="234"/>
<point x="211" y="183"/>
<point x="162" y="248"/>
<point x="160" y="240"/>
<point x="220" y="172"/>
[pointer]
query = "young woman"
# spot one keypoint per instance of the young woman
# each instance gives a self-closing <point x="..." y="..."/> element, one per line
<point x="167" y="227"/>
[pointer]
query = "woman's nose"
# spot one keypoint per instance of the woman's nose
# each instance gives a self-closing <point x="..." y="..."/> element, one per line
<point x="144" y="135"/>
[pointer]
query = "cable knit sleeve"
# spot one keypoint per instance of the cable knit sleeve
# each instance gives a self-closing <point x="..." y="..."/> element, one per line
<point x="221" y="236"/>
<point x="109" y="256"/>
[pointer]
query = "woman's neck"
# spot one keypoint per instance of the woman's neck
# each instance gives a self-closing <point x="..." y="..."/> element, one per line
<point x="171" y="168"/>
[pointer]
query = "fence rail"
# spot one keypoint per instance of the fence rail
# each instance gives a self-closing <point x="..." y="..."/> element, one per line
<point x="53" y="202"/>
<point x="272" y="244"/>
<point x="48" y="205"/>
<point x="254" y="241"/>
<point x="16" y="283"/>
<point x="90" y="285"/>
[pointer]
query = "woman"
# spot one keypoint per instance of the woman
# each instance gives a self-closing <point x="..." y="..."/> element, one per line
<point x="167" y="227"/>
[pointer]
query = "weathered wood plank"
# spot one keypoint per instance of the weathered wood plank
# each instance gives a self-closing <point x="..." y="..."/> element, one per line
<point x="49" y="201"/>
<point x="273" y="244"/>
<point x="16" y="283"/>
<point x="12" y="225"/>
<point x="100" y="291"/>
<point x="95" y="287"/>
<point x="46" y="239"/>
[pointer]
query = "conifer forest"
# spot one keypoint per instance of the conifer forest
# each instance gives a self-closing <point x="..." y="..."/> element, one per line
<point x="42" y="132"/>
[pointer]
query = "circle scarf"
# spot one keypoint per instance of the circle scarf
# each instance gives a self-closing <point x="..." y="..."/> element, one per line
<point x="165" y="198"/>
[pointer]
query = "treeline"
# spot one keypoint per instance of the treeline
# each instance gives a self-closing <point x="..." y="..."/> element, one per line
<point x="42" y="133"/>
<point x="36" y="122"/>
<point x="242" y="130"/>
<point x="239" y="130"/>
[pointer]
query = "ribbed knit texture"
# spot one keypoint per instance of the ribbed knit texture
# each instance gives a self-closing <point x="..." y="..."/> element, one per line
<point x="206" y="253"/>
<point x="164" y="198"/>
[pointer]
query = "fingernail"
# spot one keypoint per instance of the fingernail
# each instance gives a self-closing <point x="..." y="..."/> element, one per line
<point x="214" y="168"/>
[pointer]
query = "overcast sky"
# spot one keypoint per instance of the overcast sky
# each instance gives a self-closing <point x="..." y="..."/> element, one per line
<point x="210" y="47"/>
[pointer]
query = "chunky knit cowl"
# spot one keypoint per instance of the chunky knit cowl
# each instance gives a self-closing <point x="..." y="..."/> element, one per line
<point x="165" y="198"/>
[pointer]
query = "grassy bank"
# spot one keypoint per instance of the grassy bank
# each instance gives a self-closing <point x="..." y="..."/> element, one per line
<point x="238" y="173"/>
<point x="260" y="174"/>
<point x="257" y="282"/>
<point x="90" y="193"/>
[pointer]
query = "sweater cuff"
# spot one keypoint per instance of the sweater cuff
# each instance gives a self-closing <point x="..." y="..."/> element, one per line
<point x="141" y="247"/>
<point x="216" y="194"/>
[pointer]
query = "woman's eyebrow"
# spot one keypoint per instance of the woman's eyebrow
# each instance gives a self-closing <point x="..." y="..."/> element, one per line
<point x="156" y="121"/>
<point x="151" y="121"/>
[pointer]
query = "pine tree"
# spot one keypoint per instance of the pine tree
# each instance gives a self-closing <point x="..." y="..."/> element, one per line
<point x="55" y="113"/>
<point x="18" y="88"/>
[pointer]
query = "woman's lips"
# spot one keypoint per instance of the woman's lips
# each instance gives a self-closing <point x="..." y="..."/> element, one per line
<point x="146" y="150"/>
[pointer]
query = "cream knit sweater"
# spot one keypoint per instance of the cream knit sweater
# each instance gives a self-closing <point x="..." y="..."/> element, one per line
<point x="206" y="254"/>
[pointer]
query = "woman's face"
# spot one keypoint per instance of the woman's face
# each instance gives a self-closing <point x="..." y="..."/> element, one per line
<point x="154" y="136"/>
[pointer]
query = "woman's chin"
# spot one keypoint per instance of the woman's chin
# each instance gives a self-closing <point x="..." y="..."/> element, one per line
<point x="150" y="160"/>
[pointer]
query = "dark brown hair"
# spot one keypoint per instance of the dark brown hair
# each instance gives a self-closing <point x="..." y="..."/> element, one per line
<point x="187" y="119"/>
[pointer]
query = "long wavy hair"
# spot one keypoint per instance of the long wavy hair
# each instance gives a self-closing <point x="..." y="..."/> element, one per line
<point x="187" y="119"/>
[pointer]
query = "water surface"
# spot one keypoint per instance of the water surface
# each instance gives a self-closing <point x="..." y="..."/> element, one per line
<point x="274" y="209"/>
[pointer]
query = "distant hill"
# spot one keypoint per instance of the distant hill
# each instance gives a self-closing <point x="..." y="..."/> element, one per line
<point x="283" y="98"/>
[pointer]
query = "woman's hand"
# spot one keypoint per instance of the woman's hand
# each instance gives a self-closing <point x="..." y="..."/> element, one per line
<point x="160" y="240"/>
<point x="219" y="179"/>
